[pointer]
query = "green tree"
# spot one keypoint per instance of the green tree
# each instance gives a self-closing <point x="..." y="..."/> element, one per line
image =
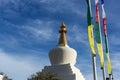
<point x="42" y="76"/>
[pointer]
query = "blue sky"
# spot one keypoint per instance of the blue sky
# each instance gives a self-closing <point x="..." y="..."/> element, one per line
<point x="29" y="29"/>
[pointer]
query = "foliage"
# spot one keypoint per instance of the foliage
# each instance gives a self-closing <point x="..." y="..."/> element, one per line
<point x="43" y="76"/>
<point x="4" y="76"/>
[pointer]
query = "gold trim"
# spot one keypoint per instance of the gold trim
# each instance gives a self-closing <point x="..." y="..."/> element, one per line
<point x="62" y="31"/>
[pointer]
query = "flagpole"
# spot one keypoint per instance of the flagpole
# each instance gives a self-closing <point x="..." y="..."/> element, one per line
<point x="94" y="66"/>
<point x="106" y="41"/>
<point x="103" y="72"/>
<point x="91" y="38"/>
<point x="110" y="77"/>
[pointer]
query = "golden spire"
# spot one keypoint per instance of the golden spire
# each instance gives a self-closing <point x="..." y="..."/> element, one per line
<point x="62" y="31"/>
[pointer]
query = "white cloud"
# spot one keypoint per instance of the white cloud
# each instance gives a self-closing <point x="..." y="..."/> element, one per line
<point x="40" y="33"/>
<point x="39" y="30"/>
<point x="114" y="39"/>
<point x="63" y="6"/>
<point x="20" y="68"/>
<point x="7" y="1"/>
<point x="115" y="60"/>
<point x="78" y="34"/>
<point x="8" y="41"/>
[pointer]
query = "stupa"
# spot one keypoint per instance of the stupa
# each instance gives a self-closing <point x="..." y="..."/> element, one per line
<point x="1" y="76"/>
<point x="63" y="59"/>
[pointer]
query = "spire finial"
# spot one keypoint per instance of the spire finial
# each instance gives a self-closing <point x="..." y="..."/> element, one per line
<point x="62" y="31"/>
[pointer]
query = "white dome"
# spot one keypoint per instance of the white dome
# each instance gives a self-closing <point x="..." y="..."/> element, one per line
<point x="62" y="55"/>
